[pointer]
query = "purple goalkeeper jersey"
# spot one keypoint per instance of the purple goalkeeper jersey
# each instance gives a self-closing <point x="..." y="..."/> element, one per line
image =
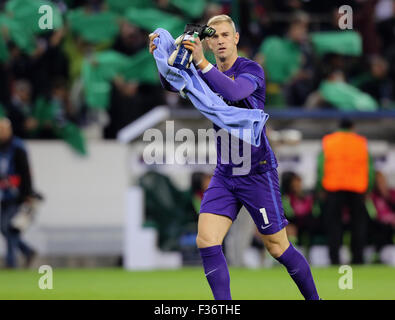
<point x="262" y="157"/>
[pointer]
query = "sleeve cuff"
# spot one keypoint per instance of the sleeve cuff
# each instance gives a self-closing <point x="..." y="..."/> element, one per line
<point x="208" y="68"/>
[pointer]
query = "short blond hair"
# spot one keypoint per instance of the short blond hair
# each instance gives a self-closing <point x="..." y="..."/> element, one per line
<point x="222" y="18"/>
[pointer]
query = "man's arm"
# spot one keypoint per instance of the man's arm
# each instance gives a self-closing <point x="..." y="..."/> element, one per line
<point x="232" y="90"/>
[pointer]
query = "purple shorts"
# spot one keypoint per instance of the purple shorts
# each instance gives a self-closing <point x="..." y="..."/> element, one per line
<point x="259" y="193"/>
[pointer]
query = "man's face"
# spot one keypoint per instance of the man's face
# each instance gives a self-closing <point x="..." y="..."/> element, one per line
<point x="224" y="42"/>
<point x="23" y="91"/>
<point x="298" y="32"/>
<point x="5" y="131"/>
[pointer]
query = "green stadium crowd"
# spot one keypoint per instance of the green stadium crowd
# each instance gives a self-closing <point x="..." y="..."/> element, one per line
<point x="93" y="65"/>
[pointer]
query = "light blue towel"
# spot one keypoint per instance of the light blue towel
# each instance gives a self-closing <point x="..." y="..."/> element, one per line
<point x="189" y="83"/>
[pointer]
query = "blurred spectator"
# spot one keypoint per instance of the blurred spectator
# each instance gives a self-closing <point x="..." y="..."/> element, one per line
<point x="212" y="9"/>
<point x="20" y="63"/>
<point x="335" y="92"/>
<point x="288" y="64"/>
<point x="130" y="40"/>
<point x="20" y="109"/>
<point x="16" y="189"/>
<point x="94" y="5"/>
<point x="387" y="32"/>
<point x="129" y="101"/>
<point x="382" y="228"/>
<point x="124" y="106"/>
<point x="45" y="62"/>
<point x="299" y="207"/>
<point x="53" y="111"/>
<point x="291" y="5"/>
<point x="60" y="96"/>
<point x="163" y="4"/>
<point x="377" y="82"/>
<point x="345" y="174"/>
<point x="364" y="22"/>
<point x="301" y="83"/>
<point x="257" y="24"/>
<point x="48" y="62"/>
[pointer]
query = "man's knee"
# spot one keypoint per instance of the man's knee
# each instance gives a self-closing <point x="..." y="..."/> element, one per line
<point x="276" y="244"/>
<point x="212" y="229"/>
<point x="275" y="250"/>
<point x="204" y="241"/>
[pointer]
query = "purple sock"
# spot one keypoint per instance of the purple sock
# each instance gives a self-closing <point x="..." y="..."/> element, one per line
<point x="216" y="271"/>
<point x="299" y="270"/>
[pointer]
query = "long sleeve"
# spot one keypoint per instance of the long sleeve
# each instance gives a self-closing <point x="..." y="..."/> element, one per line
<point x="232" y="90"/>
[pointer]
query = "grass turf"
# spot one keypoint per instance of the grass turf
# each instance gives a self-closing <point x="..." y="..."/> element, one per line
<point x="369" y="282"/>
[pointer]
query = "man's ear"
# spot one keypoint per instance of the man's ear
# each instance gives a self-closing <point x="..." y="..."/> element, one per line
<point x="237" y="38"/>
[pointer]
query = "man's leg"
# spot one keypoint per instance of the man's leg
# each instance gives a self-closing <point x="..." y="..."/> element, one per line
<point x="212" y="229"/>
<point x="297" y="266"/>
<point x="15" y="237"/>
<point x="333" y="224"/>
<point x="7" y="212"/>
<point x="22" y="245"/>
<point x="260" y="194"/>
<point x="359" y="223"/>
<point x="12" y="246"/>
<point x="28" y="252"/>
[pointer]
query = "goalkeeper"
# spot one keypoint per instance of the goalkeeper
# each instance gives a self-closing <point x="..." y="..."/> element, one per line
<point x="240" y="82"/>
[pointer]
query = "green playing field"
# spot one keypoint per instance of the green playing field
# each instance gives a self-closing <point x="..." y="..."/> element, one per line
<point x="369" y="282"/>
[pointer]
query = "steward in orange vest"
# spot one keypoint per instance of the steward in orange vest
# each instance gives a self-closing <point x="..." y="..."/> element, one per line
<point x="345" y="164"/>
<point x="345" y="173"/>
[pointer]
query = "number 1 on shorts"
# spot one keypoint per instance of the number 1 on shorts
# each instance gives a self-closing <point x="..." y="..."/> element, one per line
<point x="264" y="215"/>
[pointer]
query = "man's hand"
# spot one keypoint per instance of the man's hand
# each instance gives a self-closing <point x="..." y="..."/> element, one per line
<point x="152" y="46"/>
<point x="197" y="52"/>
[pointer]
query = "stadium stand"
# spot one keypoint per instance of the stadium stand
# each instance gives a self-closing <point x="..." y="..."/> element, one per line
<point x="91" y="81"/>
